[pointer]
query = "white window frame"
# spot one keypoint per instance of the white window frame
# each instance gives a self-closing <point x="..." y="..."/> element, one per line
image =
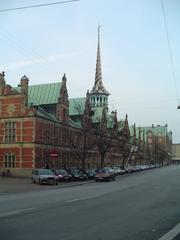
<point x="9" y="160"/>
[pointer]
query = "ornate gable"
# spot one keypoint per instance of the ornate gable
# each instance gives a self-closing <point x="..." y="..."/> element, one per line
<point x="63" y="98"/>
<point x="62" y="108"/>
<point x="87" y="118"/>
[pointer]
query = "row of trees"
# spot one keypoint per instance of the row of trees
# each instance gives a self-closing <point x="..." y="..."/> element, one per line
<point x="151" y="153"/>
<point x="97" y="138"/>
<point x="92" y="140"/>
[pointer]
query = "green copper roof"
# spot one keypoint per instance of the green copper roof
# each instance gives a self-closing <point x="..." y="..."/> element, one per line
<point x="76" y="106"/>
<point x="97" y="114"/>
<point x="121" y="124"/>
<point x="156" y="130"/>
<point x="44" y="93"/>
<point x="48" y="94"/>
<point x="110" y="120"/>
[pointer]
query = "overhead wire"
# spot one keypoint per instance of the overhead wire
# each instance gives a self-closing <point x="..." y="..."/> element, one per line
<point x="170" y="50"/>
<point x="23" y="50"/>
<point x="38" y="5"/>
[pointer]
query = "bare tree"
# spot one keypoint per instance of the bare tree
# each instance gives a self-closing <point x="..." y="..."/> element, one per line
<point x="124" y="148"/>
<point x="103" y="137"/>
<point x="103" y="143"/>
<point x="83" y="142"/>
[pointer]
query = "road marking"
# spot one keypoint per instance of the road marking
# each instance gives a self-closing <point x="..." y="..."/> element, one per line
<point x="172" y="233"/>
<point x="16" y="212"/>
<point x="85" y="198"/>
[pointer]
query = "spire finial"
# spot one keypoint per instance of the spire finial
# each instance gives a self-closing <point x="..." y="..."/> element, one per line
<point x="64" y="78"/>
<point x="99" y="31"/>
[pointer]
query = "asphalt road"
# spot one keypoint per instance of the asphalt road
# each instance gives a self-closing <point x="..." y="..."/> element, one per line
<point x="142" y="206"/>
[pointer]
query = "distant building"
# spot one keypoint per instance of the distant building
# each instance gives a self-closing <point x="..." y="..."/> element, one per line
<point x="176" y="153"/>
<point x="155" y="142"/>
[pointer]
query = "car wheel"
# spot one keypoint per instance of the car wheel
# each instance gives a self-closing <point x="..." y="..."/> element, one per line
<point x="34" y="181"/>
<point x="96" y="180"/>
<point x="113" y="179"/>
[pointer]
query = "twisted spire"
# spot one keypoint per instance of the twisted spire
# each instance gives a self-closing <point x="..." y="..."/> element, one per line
<point x="98" y="76"/>
<point x="98" y="85"/>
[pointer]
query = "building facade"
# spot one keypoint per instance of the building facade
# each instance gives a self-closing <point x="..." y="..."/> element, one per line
<point x="176" y="153"/>
<point x="154" y="143"/>
<point x="40" y="121"/>
<point x="40" y="126"/>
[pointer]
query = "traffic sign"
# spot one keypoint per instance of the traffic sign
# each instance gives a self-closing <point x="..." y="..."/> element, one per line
<point x="54" y="154"/>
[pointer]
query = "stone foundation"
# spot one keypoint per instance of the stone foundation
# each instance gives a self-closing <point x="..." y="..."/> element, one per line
<point x="18" y="172"/>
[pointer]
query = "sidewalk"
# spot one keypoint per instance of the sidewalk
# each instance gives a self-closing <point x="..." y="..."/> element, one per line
<point x="11" y="185"/>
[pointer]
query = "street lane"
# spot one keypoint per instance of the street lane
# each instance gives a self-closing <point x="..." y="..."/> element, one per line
<point x="143" y="206"/>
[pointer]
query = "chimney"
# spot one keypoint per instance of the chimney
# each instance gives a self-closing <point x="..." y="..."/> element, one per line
<point x="7" y="90"/>
<point x="2" y="83"/>
<point x="24" y="87"/>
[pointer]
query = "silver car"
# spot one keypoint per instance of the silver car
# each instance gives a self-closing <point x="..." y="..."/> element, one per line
<point x="41" y="175"/>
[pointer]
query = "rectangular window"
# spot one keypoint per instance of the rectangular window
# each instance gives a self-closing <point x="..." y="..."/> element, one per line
<point x="9" y="161"/>
<point x="10" y="132"/>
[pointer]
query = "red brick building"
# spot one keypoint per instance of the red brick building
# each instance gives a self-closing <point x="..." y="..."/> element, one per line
<point x="35" y="121"/>
<point x="38" y="120"/>
<point x="29" y="134"/>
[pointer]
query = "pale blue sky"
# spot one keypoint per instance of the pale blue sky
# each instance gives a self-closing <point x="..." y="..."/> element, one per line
<point x="43" y="43"/>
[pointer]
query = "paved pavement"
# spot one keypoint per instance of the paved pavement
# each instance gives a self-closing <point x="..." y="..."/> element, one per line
<point x="142" y="206"/>
<point x="12" y="185"/>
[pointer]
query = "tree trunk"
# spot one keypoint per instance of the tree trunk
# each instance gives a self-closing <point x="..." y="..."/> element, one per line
<point x="123" y="160"/>
<point x="102" y="161"/>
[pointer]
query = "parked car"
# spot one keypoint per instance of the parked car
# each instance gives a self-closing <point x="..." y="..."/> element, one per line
<point x="91" y="173"/>
<point x="138" y="168"/>
<point x="131" y="169"/>
<point x="116" y="170"/>
<point x="144" y="167"/>
<point x="105" y="174"/>
<point x="75" y="174"/>
<point x="41" y="175"/>
<point x="83" y="175"/>
<point x="119" y="170"/>
<point x="123" y="170"/>
<point x="63" y="175"/>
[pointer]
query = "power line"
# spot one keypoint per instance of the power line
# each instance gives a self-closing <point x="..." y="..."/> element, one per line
<point x="39" y="5"/>
<point x="170" y="50"/>
<point x="26" y="52"/>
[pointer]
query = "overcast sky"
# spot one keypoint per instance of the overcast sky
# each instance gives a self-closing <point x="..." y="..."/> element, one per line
<point x="45" y="42"/>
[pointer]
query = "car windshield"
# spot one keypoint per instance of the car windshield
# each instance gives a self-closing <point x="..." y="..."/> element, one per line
<point x="45" y="172"/>
<point x="61" y="172"/>
<point x="103" y="171"/>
